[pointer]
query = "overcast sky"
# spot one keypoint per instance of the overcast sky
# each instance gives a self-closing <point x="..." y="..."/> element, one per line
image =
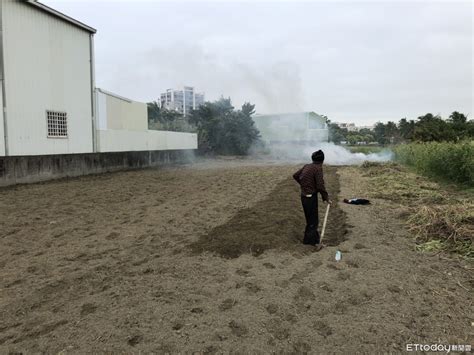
<point x="353" y="61"/>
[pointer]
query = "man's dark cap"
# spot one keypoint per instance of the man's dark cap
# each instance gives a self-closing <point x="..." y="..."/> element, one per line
<point x="318" y="156"/>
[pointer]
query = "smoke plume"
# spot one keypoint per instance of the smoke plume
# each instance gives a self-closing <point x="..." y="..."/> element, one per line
<point x="294" y="137"/>
<point x="334" y="154"/>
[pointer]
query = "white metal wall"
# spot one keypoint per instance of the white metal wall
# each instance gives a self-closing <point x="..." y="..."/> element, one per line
<point x="2" y="133"/>
<point x="2" y="123"/>
<point x="116" y="113"/>
<point x="47" y="67"/>
<point x="124" y="141"/>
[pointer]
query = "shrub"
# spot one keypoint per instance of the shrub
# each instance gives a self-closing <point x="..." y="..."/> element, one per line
<point x="224" y="130"/>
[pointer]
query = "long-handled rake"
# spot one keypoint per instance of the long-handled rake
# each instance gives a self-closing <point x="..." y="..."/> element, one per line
<point x="320" y="245"/>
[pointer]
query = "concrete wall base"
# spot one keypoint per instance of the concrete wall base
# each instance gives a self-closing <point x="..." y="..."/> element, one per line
<point x="31" y="169"/>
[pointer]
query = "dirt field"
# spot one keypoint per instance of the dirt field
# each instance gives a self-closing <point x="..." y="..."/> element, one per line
<point x="209" y="259"/>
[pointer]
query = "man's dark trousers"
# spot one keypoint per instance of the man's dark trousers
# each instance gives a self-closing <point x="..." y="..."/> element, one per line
<point x="310" y="207"/>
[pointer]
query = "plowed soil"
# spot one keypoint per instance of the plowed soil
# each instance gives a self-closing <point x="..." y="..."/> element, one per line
<point x="274" y="222"/>
<point x="208" y="258"/>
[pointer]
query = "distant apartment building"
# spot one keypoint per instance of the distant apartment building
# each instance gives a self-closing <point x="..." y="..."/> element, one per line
<point x="181" y="100"/>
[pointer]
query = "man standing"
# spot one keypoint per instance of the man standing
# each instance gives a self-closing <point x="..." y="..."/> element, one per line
<point x="310" y="178"/>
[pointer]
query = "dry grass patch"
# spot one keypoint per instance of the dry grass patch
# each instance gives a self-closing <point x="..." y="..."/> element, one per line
<point x="441" y="217"/>
<point x="445" y="227"/>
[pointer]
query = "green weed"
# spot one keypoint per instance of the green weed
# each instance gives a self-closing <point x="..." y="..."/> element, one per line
<point x="449" y="161"/>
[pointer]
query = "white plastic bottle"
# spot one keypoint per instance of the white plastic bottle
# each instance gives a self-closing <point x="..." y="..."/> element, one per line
<point x="338" y="255"/>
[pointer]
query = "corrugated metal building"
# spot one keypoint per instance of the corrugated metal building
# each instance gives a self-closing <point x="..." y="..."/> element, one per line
<point x="50" y="104"/>
<point x="48" y="109"/>
<point x="47" y="81"/>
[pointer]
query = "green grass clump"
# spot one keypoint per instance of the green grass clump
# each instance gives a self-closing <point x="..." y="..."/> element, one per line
<point x="431" y="246"/>
<point x="449" y="161"/>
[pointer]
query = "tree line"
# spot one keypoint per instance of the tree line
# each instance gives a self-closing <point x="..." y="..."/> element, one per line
<point x="222" y="129"/>
<point x="427" y="128"/>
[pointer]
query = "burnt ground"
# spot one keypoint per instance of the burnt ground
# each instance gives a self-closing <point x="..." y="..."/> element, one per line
<point x="131" y="262"/>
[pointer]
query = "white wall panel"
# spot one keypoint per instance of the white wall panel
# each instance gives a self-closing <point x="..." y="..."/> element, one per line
<point x="117" y="113"/>
<point x="126" y="115"/>
<point x="47" y="67"/>
<point x="101" y="102"/>
<point x="123" y="141"/>
<point x="2" y="133"/>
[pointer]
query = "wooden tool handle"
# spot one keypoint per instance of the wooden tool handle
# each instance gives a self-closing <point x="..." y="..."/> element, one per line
<point x="324" y="223"/>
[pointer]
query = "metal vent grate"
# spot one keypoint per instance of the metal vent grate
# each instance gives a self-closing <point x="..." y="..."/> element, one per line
<point x="57" y="124"/>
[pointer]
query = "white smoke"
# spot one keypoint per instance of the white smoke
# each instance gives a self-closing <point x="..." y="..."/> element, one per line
<point x="338" y="155"/>
<point x="294" y="137"/>
<point x="334" y="154"/>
